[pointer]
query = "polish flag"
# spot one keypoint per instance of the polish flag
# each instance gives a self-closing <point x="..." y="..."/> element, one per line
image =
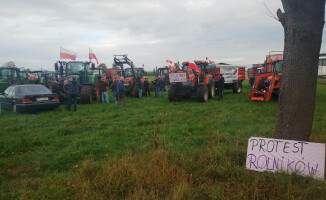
<point x="259" y="66"/>
<point x="170" y="67"/>
<point x="194" y="67"/>
<point x="92" y="55"/>
<point x="66" y="54"/>
<point x="169" y="61"/>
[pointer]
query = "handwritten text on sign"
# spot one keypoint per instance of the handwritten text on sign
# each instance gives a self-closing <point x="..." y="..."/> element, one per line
<point x="177" y="77"/>
<point x="267" y="154"/>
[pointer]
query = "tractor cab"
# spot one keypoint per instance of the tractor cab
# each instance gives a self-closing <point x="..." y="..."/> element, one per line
<point x="8" y="76"/>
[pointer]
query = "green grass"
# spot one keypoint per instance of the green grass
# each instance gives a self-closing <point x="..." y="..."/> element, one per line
<point x="152" y="149"/>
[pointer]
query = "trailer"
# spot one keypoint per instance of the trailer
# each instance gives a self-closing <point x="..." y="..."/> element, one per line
<point x="233" y="76"/>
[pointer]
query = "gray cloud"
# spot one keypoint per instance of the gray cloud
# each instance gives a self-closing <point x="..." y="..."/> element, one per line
<point x="236" y="31"/>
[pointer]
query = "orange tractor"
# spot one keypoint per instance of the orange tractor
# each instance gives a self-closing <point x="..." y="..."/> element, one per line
<point x="268" y="81"/>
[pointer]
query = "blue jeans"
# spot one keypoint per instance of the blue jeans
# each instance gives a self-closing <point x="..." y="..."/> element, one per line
<point x="157" y="91"/>
<point x="115" y="96"/>
<point x="105" y="95"/>
<point x="140" y="93"/>
<point x="72" y="98"/>
<point x="161" y="90"/>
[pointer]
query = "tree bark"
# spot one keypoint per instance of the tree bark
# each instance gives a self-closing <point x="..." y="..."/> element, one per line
<point x="303" y="22"/>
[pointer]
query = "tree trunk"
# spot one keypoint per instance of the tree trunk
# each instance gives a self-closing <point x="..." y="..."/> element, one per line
<point x="303" y="22"/>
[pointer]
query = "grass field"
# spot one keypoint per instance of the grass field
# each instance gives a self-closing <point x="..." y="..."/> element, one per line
<point x="152" y="149"/>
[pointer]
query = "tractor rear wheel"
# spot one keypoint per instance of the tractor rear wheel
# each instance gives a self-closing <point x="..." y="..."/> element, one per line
<point x="135" y="91"/>
<point x="211" y="90"/>
<point x="172" y="93"/>
<point x="202" y="93"/>
<point x="237" y="87"/>
<point x="86" y="94"/>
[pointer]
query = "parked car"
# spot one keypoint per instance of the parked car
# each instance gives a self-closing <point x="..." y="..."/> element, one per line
<point x="23" y="98"/>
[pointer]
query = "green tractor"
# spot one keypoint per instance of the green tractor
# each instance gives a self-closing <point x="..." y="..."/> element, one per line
<point x="9" y="76"/>
<point x="85" y="74"/>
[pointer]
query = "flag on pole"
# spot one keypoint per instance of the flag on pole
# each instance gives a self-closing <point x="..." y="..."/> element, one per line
<point x="194" y="67"/>
<point x="66" y="54"/>
<point x="92" y="55"/>
<point x="169" y="61"/>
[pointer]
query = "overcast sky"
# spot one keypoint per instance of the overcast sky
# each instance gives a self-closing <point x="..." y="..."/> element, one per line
<point x="149" y="31"/>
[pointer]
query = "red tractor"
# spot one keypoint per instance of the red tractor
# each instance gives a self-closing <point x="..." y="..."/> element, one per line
<point x="268" y="81"/>
<point x="132" y="75"/>
<point x="194" y="79"/>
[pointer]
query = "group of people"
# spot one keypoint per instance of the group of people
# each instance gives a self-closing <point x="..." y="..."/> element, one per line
<point x="118" y="90"/>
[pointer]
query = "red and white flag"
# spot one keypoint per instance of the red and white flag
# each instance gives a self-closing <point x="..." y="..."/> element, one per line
<point x="169" y="61"/>
<point x="92" y="55"/>
<point x="66" y="54"/>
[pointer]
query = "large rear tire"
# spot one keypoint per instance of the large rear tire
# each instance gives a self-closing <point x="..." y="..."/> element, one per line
<point x="172" y="93"/>
<point x="135" y="91"/>
<point x="86" y="94"/>
<point x="237" y="87"/>
<point x="202" y="93"/>
<point x="211" y="90"/>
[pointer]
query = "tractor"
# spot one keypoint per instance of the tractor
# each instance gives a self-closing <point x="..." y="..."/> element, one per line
<point x="233" y="76"/>
<point x="192" y="80"/>
<point x="36" y="77"/>
<point x="9" y="76"/>
<point x="132" y="75"/>
<point x="84" y="74"/>
<point x="268" y="81"/>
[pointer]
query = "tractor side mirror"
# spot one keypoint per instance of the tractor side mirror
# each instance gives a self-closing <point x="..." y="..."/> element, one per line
<point x="93" y="66"/>
<point x="56" y="67"/>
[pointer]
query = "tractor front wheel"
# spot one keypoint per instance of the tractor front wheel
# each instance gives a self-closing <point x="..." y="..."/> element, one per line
<point x="237" y="87"/>
<point x="211" y="90"/>
<point x="202" y="93"/>
<point x="135" y="91"/>
<point x="172" y="93"/>
<point x="86" y="94"/>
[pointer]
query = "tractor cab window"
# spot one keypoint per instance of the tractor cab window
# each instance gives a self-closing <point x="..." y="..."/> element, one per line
<point x="8" y="73"/>
<point x="128" y="72"/>
<point x="278" y="66"/>
<point x="140" y="73"/>
<point x="74" y="68"/>
<point x="23" y="74"/>
<point x="163" y="72"/>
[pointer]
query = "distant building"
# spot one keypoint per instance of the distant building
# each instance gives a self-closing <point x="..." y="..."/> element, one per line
<point x="322" y="65"/>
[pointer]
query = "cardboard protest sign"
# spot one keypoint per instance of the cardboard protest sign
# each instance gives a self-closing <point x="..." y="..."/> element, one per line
<point x="177" y="77"/>
<point x="268" y="154"/>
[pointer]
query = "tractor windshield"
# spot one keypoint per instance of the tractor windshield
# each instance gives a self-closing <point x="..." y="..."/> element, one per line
<point x="74" y="68"/>
<point x="140" y="73"/>
<point x="163" y="71"/>
<point x="278" y="66"/>
<point x="128" y="72"/>
<point x="8" y="73"/>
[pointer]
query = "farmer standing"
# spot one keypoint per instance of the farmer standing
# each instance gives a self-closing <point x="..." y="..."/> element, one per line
<point x="114" y="89"/>
<point x="140" y="89"/>
<point x="161" y="83"/>
<point x="104" y="91"/>
<point x="121" y="92"/>
<point x="220" y="87"/>
<point x="157" y="87"/>
<point x="73" y="89"/>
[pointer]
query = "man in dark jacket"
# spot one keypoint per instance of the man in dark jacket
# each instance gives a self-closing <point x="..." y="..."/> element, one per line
<point x="220" y="87"/>
<point x="73" y="89"/>
<point x="146" y="87"/>
<point x="114" y="89"/>
<point x="161" y="83"/>
<point x="140" y="89"/>
<point x="121" y="92"/>
<point x="157" y="87"/>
